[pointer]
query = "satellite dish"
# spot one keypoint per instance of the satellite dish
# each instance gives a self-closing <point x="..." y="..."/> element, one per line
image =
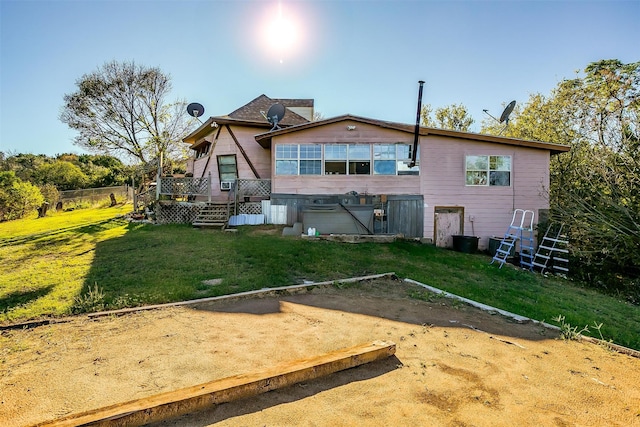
<point x="195" y="110"/>
<point x="275" y="115"/>
<point x="507" y="111"/>
<point x="504" y="117"/>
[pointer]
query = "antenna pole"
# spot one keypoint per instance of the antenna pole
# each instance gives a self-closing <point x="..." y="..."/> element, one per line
<point x="487" y="113"/>
<point x="417" y="130"/>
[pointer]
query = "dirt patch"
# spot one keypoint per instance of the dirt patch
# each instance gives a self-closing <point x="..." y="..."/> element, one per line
<point x="454" y="365"/>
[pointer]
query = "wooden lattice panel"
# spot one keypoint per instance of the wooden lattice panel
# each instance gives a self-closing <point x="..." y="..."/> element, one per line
<point x="254" y="187"/>
<point x="184" y="186"/>
<point x="250" y="208"/>
<point x="177" y="213"/>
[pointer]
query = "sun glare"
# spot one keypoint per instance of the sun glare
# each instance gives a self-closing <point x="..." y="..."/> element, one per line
<point x="281" y="34"/>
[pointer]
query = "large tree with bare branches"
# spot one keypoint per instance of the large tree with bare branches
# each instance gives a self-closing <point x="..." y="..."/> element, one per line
<point x="121" y="109"/>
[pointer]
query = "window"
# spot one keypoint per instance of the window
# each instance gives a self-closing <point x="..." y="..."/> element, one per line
<point x="294" y="159"/>
<point x="404" y="160"/>
<point x="488" y="170"/>
<point x="335" y="159"/>
<point x="384" y="159"/>
<point x="393" y="159"/>
<point x="203" y="150"/>
<point x="344" y="159"/>
<point x="227" y="168"/>
<point x="310" y="159"/>
<point x="359" y="159"/>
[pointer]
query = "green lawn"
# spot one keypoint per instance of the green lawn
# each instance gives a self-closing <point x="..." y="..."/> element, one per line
<point x="83" y="260"/>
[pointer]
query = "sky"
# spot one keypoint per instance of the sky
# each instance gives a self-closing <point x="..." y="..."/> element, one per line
<point x="352" y="57"/>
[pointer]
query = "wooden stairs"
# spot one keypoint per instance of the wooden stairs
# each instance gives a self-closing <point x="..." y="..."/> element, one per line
<point x="213" y="214"/>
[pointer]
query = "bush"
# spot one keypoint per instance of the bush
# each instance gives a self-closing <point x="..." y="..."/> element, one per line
<point x="50" y="194"/>
<point x="21" y="199"/>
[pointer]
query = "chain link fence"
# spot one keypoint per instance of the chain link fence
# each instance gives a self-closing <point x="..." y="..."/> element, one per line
<point x="95" y="195"/>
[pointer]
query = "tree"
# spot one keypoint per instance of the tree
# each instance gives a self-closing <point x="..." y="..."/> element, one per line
<point x="24" y="165"/>
<point x="103" y="171"/>
<point x="455" y="117"/>
<point x="63" y="174"/>
<point x="50" y="193"/>
<point x="17" y="198"/>
<point x="595" y="188"/>
<point x="122" y="109"/>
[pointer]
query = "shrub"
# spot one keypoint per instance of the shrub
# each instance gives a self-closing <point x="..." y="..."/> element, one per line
<point x="50" y="194"/>
<point x="17" y="198"/>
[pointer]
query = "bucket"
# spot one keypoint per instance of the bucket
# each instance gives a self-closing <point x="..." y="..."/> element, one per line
<point x="465" y="244"/>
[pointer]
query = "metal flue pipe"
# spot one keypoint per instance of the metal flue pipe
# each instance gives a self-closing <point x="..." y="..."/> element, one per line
<point x="417" y="131"/>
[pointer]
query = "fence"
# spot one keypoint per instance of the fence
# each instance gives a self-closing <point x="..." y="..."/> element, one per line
<point x="94" y="195"/>
<point x="184" y="186"/>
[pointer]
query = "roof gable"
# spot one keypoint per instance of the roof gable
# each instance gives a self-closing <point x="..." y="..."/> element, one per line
<point x="252" y="110"/>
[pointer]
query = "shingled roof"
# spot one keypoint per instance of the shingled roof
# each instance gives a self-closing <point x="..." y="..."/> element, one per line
<point x="252" y="110"/>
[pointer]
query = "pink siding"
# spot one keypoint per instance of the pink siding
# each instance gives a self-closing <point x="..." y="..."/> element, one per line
<point x="259" y="157"/>
<point x="441" y="180"/>
<point x="443" y="184"/>
<point x="338" y="184"/>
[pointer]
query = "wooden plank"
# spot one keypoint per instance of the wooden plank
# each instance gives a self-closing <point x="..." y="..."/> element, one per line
<point x="174" y="403"/>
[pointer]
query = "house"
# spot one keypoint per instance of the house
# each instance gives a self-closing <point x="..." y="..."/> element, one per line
<point x="461" y="183"/>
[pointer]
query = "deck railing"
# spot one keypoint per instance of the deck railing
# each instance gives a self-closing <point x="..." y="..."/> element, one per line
<point x="187" y="186"/>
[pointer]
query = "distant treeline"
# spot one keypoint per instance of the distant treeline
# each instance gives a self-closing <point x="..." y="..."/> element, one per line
<point x="29" y="180"/>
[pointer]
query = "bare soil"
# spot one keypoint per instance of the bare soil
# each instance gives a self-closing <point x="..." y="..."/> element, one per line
<point x="454" y="365"/>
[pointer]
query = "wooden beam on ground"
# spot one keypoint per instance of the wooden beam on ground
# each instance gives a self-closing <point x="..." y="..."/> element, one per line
<point x="179" y="402"/>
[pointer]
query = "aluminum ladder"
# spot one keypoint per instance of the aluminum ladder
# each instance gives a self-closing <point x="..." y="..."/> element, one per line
<point x="554" y="250"/>
<point x="520" y="229"/>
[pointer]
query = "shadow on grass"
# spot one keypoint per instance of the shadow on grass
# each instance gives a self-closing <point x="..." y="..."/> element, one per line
<point x="387" y="299"/>
<point x="18" y="298"/>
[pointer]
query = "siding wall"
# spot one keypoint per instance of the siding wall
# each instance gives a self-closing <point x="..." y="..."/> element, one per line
<point x="259" y="157"/>
<point x="441" y="181"/>
<point x="443" y="184"/>
<point x="335" y="184"/>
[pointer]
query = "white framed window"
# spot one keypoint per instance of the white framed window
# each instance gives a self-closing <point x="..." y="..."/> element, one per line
<point x="359" y="159"/>
<point x="298" y="159"/>
<point x="335" y="159"/>
<point x="344" y="159"/>
<point x="488" y="171"/>
<point x="404" y="160"/>
<point x="311" y="159"/>
<point x="394" y="159"/>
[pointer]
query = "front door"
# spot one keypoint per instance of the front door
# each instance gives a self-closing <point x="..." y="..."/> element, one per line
<point x="449" y="221"/>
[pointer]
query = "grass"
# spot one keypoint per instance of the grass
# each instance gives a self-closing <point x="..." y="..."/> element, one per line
<point x="111" y="263"/>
